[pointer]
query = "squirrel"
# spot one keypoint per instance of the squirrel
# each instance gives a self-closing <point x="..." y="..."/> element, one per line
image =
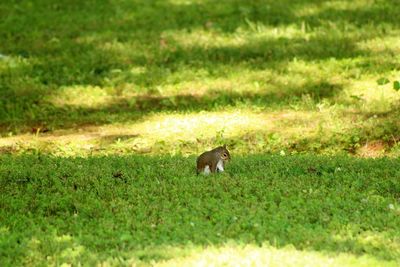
<point x="213" y="160"/>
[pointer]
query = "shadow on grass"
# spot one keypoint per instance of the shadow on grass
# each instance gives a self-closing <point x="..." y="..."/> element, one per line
<point x="131" y="109"/>
<point x="64" y="60"/>
<point x="264" y="53"/>
<point x="70" y="50"/>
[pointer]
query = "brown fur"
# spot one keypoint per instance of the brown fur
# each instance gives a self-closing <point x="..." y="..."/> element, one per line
<point x="211" y="159"/>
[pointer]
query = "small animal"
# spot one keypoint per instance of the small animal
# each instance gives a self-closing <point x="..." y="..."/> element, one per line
<point x="213" y="160"/>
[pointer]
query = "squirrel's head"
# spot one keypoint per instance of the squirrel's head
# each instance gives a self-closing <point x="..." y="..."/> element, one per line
<point x="224" y="153"/>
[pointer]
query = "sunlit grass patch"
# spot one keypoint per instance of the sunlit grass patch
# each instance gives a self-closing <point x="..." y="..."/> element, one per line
<point x="315" y="121"/>
<point x="368" y="96"/>
<point x="61" y="249"/>
<point x="165" y="131"/>
<point x="11" y="62"/>
<point x="385" y="45"/>
<point x="244" y="130"/>
<point x="66" y="250"/>
<point x="307" y="126"/>
<point x="345" y="5"/>
<point x="80" y="96"/>
<point x="370" y="241"/>
<point x="263" y="86"/>
<point x="251" y="32"/>
<point x="250" y="255"/>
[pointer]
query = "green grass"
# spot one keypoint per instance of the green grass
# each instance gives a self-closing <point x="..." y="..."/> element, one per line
<point x="138" y="209"/>
<point x="87" y="87"/>
<point x="65" y="66"/>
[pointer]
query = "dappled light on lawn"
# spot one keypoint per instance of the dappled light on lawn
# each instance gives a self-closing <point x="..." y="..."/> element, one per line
<point x="251" y="255"/>
<point x="81" y="96"/>
<point x="104" y="106"/>
<point x="179" y="133"/>
<point x="136" y="82"/>
<point x="386" y="45"/>
<point x="243" y="130"/>
<point x="67" y="249"/>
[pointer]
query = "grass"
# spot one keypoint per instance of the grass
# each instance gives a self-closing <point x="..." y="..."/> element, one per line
<point x="66" y="66"/>
<point x="88" y="87"/>
<point x="335" y="211"/>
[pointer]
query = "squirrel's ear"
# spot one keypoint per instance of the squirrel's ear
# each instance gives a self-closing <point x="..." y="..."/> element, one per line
<point x="224" y="146"/>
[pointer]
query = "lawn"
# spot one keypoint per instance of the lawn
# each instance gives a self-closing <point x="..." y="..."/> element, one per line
<point x="106" y="77"/>
<point x="278" y="210"/>
<point x="104" y="105"/>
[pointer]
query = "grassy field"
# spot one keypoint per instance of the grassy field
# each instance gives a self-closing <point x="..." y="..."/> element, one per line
<point x="277" y="210"/>
<point x="105" y="103"/>
<point x="125" y="76"/>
